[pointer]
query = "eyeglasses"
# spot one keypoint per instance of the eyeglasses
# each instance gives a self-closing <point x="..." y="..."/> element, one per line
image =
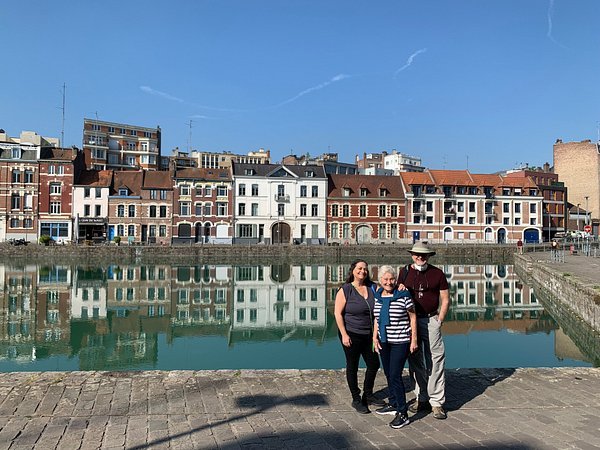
<point x="420" y="255"/>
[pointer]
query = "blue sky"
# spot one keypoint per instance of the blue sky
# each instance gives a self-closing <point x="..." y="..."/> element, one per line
<point x="483" y="84"/>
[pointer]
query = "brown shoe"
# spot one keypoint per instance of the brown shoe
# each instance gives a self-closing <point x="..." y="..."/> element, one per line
<point x="418" y="406"/>
<point x="439" y="413"/>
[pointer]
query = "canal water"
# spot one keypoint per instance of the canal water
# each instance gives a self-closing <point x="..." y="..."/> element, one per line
<point x="167" y="317"/>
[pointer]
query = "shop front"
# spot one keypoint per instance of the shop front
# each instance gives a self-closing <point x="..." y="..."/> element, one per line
<point x="91" y="229"/>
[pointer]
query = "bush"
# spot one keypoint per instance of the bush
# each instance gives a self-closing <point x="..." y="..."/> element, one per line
<point x="45" y="239"/>
<point x="117" y="240"/>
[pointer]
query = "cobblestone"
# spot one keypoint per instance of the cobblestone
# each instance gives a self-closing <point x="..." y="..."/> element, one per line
<point x="509" y="408"/>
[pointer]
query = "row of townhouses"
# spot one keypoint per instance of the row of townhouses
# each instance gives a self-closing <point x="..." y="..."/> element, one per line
<point x="48" y="191"/>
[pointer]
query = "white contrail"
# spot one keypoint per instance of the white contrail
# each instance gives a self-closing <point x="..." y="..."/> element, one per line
<point x="549" y="33"/>
<point x="409" y="61"/>
<point x="149" y="90"/>
<point x="201" y="116"/>
<point x="320" y="86"/>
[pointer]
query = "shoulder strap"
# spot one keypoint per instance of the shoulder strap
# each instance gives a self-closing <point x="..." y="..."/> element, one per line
<point x="405" y="273"/>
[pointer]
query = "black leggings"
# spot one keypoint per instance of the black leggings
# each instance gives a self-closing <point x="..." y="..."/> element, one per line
<point x="362" y="344"/>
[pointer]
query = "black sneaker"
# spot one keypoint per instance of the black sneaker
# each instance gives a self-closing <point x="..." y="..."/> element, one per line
<point x="387" y="409"/>
<point x="360" y="407"/>
<point x="399" y="421"/>
<point x="372" y="400"/>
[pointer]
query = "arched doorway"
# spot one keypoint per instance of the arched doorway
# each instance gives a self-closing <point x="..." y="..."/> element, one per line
<point x="280" y="273"/>
<point x="502" y="236"/>
<point x="447" y="234"/>
<point x="280" y="233"/>
<point x="207" y="227"/>
<point x="363" y="234"/>
<point x="489" y="235"/>
<point x="198" y="232"/>
<point x="531" y="236"/>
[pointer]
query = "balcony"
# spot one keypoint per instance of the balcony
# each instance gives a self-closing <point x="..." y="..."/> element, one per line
<point x="282" y="198"/>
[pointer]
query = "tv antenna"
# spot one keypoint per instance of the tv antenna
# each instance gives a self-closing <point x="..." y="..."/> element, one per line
<point x="190" y="136"/>
<point x="62" y="127"/>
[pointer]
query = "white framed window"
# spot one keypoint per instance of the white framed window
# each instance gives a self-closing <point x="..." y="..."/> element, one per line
<point x="55" y="188"/>
<point x="54" y="207"/>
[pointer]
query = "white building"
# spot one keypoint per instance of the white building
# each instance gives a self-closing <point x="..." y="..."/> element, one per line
<point x="401" y="162"/>
<point x="90" y="205"/>
<point x="279" y="204"/>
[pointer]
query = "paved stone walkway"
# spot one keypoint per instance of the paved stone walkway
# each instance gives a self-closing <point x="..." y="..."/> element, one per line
<point x="522" y="409"/>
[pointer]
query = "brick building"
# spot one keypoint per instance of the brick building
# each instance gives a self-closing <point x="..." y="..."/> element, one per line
<point x="365" y="209"/>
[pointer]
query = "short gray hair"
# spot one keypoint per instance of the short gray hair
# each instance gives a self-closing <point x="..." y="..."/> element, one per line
<point x="386" y="269"/>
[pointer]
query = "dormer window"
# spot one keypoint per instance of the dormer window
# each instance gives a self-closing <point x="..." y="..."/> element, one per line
<point x="16" y="153"/>
<point x="364" y="192"/>
<point x="309" y="174"/>
<point x="383" y="192"/>
<point x="123" y="192"/>
<point x="249" y="172"/>
<point x="346" y="192"/>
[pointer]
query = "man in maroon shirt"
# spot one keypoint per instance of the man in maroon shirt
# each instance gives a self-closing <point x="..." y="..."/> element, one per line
<point x="429" y="289"/>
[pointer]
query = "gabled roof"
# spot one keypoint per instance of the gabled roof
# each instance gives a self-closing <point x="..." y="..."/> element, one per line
<point x="95" y="178"/>
<point x="486" y="180"/>
<point x="372" y="183"/>
<point x="157" y="179"/>
<point x="61" y="154"/>
<point x="452" y="177"/>
<point x="524" y="182"/>
<point x="417" y="178"/>
<point x="267" y="170"/>
<point x="130" y="179"/>
<point x="201" y="173"/>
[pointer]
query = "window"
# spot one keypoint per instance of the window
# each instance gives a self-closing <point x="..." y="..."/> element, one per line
<point x="163" y="194"/>
<point x="131" y="230"/>
<point x="383" y="192"/>
<point x="16" y="176"/>
<point x="314" y="211"/>
<point x="346" y="210"/>
<point x="123" y="192"/>
<point x="152" y="211"/>
<point x="472" y="207"/>
<point x="281" y="210"/>
<point x="14" y="223"/>
<point x="208" y="209"/>
<point x="208" y="191"/>
<point x="54" y="207"/>
<point x="382" y="231"/>
<point x="162" y="230"/>
<point x="255" y="190"/>
<point x="254" y="211"/>
<point x="242" y="209"/>
<point x="86" y="192"/>
<point x="394" y="211"/>
<point x="184" y="190"/>
<point x="517" y="208"/>
<point x="315" y="191"/>
<point x="517" y="221"/>
<point x="120" y="210"/>
<point x="362" y="210"/>
<point x="162" y="211"/>
<point x="245" y="230"/>
<point x="131" y="211"/>
<point x="27" y="223"/>
<point x="242" y="189"/>
<point x="222" y="191"/>
<point x="97" y="210"/>
<point x="429" y="206"/>
<point x="184" y="208"/>
<point x="303" y="210"/>
<point x="346" y="231"/>
<point x="533" y="221"/>
<point x="153" y="194"/>
<point x="221" y="209"/>
<point x="334" y="230"/>
<point x="346" y="192"/>
<point x="532" y="208"/>
<point x="120" y="230"/>
<point x="506" y="207"/>
<point x="15" y="201"/>
<point x="302" y="191"/>
<point x="28" y="176"/>
<point x="334" y="210"/>
<point x="382" y="209"/>
<point x="363" y="192"/>
<point x="86" y="210"/>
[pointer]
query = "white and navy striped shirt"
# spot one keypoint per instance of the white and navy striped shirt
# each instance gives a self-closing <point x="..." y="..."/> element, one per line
<point x="398" y="331"/>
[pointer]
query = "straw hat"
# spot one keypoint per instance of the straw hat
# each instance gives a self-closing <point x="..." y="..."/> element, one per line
<point x="421" y="248"/>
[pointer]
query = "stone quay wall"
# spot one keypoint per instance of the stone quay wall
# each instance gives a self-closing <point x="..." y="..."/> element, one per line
<point x="231" y="254"/>
<point x="565" y="292"/>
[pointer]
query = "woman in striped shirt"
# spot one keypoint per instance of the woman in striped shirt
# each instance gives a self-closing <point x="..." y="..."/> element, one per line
<point x="394" y="336"/>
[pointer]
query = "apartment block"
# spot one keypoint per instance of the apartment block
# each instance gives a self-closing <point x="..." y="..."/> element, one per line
<point x="111" y="145"/>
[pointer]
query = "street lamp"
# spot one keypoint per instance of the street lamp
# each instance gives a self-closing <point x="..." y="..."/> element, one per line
<point x="578" y="216"/>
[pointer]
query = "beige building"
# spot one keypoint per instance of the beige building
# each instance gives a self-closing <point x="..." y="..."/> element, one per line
<point x="223" y="160"/>
<point x="578" y="167"/>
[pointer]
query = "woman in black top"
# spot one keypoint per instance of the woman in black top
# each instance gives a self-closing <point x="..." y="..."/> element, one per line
<point x="354" y="305"/>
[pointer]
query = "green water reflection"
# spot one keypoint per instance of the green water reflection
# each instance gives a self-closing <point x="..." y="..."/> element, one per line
<point x="69" y="317"/>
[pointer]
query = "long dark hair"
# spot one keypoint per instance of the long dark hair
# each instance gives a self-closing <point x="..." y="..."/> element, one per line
<point x="350" y="277"/>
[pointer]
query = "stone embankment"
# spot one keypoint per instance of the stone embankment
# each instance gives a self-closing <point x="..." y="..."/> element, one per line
<point x="230" y="254"/>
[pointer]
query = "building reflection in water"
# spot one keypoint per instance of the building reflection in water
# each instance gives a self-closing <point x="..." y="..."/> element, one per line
<point x="114" y="317"/>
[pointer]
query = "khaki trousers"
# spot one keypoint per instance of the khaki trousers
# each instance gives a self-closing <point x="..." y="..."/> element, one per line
<point x="426" y="365"/>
